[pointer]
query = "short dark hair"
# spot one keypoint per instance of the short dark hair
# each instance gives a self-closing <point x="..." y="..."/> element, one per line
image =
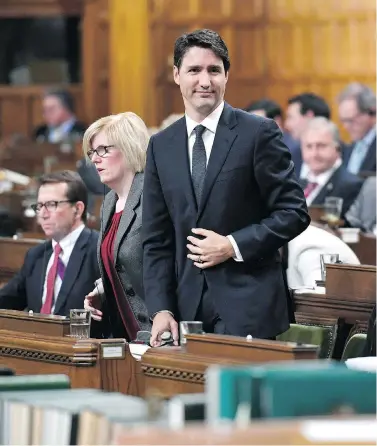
<point x="270" y="107"/>
<point x="203" y="38"/>
<point x="311" y="102"/>
<point x="64" y="97"/>
<point x="76" y="189"/>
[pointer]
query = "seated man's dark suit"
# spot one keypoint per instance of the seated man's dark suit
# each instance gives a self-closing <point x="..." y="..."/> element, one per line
<point x="342" y="184"/>
<point x="78" y="128"/>
<point x="25" y="289"/>
<point x="369" y="163"/>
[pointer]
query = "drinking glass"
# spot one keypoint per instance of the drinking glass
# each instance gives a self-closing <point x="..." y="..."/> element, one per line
<point x="189" y="327"/>
<point x="80" y="323"/>
<point x="327" y="258"/>
<point x="333" y="209"/>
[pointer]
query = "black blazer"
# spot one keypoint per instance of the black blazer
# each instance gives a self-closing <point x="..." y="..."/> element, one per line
<point x="25" y="289"/>
<point x="78" y="128"/>
<point x="369" y="163"/>
<point x="250" y="192"/>
<point x="342" y="184"/>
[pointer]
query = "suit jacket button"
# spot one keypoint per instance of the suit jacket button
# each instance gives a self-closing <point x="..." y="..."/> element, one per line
<point x="130" y="292"/>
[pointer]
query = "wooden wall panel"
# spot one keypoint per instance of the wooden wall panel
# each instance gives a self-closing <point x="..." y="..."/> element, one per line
<point x="130" y="70"/>
<point x="21" y="108"/>
<point x="96" y="60"/>
<point x="278" y="48"/>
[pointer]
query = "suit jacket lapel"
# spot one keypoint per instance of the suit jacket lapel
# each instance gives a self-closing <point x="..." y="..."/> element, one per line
<point x="327" y="189"/>
<point x="177" y="154"/>
<point x="72" y="269"/>
<point x="40" y="273"/>
<point x="224" y="138"/>
<point x="370" y="159"/>
<point x="128" y="214"/>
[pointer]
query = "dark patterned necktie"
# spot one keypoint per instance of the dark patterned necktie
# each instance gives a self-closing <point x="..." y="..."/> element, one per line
<point x="199" y="162"/>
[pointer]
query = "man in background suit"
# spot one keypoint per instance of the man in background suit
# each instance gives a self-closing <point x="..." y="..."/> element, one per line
<point x="220" y="199"/>
<point x="357" y="112"/>
<point x="362" y="213"/>
<point x="61" y="124"/>
<point x="272" y="110"/>
<point x="57" y="274"/>
<point x="301" y="108"/>
<point x="322" y="174"/>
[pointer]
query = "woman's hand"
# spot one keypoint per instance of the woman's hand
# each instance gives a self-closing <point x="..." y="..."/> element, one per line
<point x="92" y="303"/>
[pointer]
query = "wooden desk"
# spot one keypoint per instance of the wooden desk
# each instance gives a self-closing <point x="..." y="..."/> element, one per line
<point x="86" y="362"/>
<point x="36" y="344"/>
<point x="169" y="371"/>
<point x="350" y="297"/>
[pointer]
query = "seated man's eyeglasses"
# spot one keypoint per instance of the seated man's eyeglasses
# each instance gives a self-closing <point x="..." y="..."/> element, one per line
<point x="51" y="206"/>
<point x="100" y="151"/>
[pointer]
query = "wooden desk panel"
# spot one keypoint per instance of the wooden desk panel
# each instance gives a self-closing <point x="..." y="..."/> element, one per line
<point x="81" y="360"/>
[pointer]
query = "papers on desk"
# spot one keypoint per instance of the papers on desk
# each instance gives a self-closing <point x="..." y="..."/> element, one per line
<point x="310" y="290"/>
<point x="138" y="350"/>
<point x="367" y="364"/>
<point x="14" y="177"/>
<point x="347" y="431"/>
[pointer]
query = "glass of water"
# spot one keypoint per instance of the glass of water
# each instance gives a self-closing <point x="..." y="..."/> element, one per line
<point x="80" y="323"/>
<point x="327" y="258"/>
<point x="333" y="209"/>
<point x="189" y="327"/>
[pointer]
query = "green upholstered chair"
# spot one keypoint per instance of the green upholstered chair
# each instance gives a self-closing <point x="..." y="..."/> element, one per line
<point x="355" y="346"/>
<point x="324" y="336"/>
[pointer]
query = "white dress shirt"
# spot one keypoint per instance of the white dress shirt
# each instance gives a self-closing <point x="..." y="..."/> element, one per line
<point x="321" y="179"/>
<point x="210" y="123"/>
<point x="67" y="244"/>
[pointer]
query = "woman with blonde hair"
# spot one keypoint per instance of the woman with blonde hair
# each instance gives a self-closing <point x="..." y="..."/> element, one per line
<point x="117" y="146"/>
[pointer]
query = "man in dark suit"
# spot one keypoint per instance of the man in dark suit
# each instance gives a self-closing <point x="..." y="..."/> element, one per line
<point x="272" y="110"/>
<point x="323" y="174"/>
<point x="301" y="108"/>
<point x="212" y="232"/>
<point x="357" y="112"/>
<point x="57" y="274"/>
<point x="61" y="124"/>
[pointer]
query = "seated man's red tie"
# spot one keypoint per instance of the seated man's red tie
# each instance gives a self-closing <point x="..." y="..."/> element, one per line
<point x="309" y="189"/>
<point x="51" y="277"/>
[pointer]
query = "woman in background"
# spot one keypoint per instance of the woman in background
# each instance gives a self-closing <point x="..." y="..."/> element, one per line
<point x="117" y="145"/>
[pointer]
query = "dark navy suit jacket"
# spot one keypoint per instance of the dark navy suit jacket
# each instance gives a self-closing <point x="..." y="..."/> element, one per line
<point x="25" y="289"/>
<point x="250" y="192"/>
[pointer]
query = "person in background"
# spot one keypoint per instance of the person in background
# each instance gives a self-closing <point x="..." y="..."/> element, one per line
<point x="357" y="113"/>
<point x="322" y="174"/>
<point x="220" y="199"/>
<point x="301" y="108"/>
<point x="117" y="145"/>
<point x="61" y="124"/>
<point x="271" y="110"/>
<point x="362" y="213"/>
<point x="57" y="274"/>
<point x="304" y="252"/>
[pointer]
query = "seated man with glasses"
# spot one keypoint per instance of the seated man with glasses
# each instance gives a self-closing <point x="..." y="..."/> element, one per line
<point x="57" y="274"/>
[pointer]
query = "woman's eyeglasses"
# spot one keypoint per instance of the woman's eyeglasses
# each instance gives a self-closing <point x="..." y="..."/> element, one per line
<point x="100" y="151"/>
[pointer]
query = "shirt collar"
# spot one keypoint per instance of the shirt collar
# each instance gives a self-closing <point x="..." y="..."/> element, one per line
<point x="210" y="122"/>
<point x="66" y="126"/>
<point x="369" y="137"/>
<point x="323" y="177"/>
<point x="69" y="239"/>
